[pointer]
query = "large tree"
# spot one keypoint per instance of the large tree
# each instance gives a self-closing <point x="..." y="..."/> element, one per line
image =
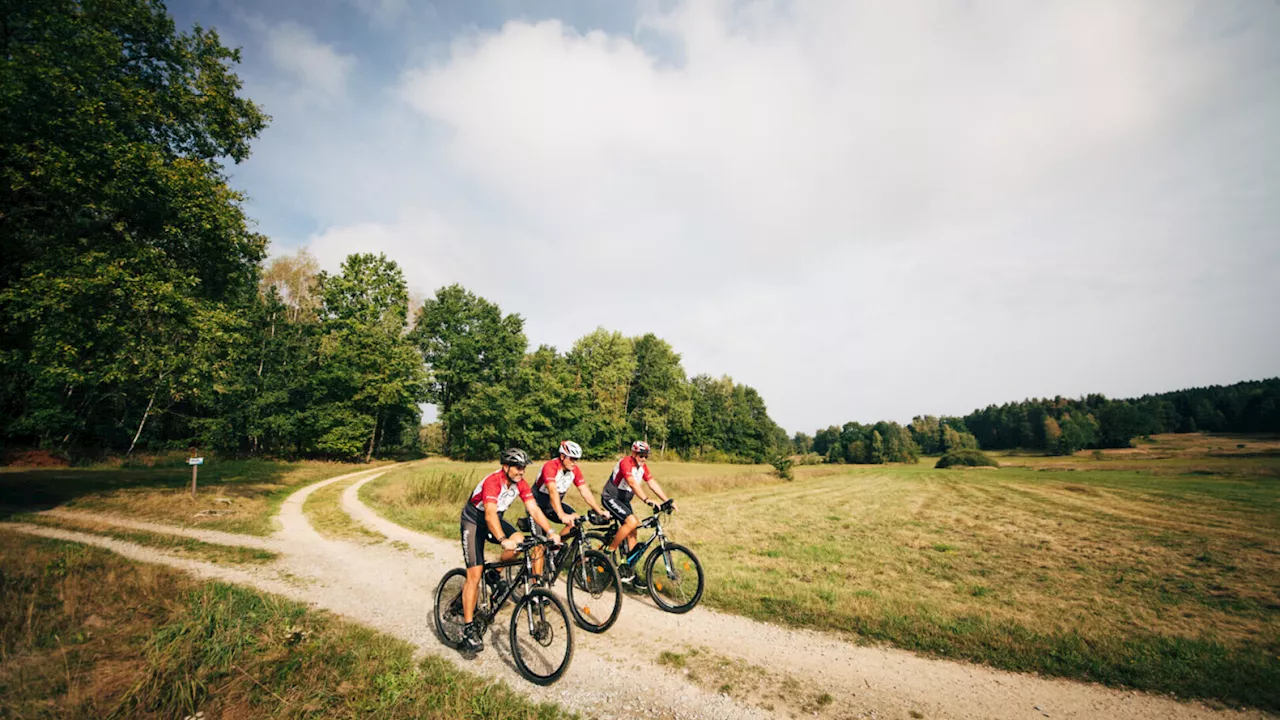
<point x="468" y="345"/>
<point x="122" y="241"/>
<point x="603" y="366"/>
<point x="659" y="401"/>
<point x="370" y="377"/>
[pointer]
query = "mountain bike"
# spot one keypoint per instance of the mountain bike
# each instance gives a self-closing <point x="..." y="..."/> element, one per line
<point x="541" y="634"/>
<point x="592" y="585"/>
<point x="673" y="574"/>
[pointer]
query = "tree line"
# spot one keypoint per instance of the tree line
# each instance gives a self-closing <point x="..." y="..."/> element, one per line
<point x="1057" y="426"/>
<point x="136" y="311"/>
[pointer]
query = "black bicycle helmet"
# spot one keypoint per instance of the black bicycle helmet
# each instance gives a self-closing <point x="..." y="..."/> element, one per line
<point x="514" y="456"/>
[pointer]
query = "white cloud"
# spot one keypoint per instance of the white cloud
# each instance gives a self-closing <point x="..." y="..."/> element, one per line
<point x="865" y="210"/>
<point x="314" y="68"/>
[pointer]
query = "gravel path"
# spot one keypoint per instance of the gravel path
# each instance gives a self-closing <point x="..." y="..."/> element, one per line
<point x="389" y="586"/>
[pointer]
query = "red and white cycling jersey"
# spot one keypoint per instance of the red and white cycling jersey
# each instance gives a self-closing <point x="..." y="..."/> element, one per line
<point x="632" y="467"/>
<point x="554" y="471"/>
<point x="495" y="488"/>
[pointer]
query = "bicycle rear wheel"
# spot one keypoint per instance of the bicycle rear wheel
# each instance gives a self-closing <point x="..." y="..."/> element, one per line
<point x="675" y="578"/>
<point x="595" y="595"/>
<point x="448" y="607"/>
<point x="541" y="637"/>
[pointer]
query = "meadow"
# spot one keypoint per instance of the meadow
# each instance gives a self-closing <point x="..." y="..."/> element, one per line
<point x="239" y="496"/>
<point x="85" y="633"/>
<point x="1156" y="568"/>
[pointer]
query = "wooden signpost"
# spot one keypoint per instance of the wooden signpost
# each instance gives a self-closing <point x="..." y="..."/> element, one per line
<point x="195" y="464"/>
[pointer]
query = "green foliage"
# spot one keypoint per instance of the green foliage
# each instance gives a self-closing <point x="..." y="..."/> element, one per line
<point x="121" y="235"/>
<point x="883" y="442"/>
<point x="370" y="376"/>
<point x="965" y="457"/>
<point x="782" y="464"/>
<point x="468" y="346"/>
<point x="1095" y="421"/>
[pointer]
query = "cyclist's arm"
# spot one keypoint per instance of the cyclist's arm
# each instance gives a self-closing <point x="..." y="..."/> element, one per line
<point x="635" y="487"/>
<point x="657" y="490"/>
<point x="555" y="502"/>
<point x="585" y="491"/>
<point x="495" y="525"/>
<point x="535" y="513"/>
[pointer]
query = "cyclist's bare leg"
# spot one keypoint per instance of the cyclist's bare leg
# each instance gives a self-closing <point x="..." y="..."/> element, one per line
<point x="626" y="532"/>
<point x="471" y="592"/>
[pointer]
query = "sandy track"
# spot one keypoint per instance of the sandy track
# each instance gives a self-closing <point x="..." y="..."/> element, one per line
<point x="616" y="674"/>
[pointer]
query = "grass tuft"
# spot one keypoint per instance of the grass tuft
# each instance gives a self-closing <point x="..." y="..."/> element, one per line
<point x="84" y="633"/>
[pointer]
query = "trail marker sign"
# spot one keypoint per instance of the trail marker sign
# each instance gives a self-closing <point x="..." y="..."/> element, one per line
<point x="195" y="464"/>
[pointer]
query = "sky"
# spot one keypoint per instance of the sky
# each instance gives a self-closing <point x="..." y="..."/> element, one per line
<point x="865" y="210"/>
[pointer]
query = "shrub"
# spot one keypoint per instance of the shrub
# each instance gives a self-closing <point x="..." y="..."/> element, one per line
<point x="965" y="458"/>
<point x="782" y="463"/>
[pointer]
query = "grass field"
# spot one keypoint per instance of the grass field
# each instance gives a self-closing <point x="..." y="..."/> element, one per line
<point x="172" y="544"/>
<point x="1155" y="569"/>
<point x="87" y="634"/>
<point x="237" y="496"/>
<point x="429" y="496"/>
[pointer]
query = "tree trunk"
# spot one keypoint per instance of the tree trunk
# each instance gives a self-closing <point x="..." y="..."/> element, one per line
<point x="142" y="423"/>
<point x="369" y="455"/>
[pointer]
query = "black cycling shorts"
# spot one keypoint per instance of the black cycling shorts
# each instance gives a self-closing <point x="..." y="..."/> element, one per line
<point x="620" y="509"/>
<point x="544" y="504"/>
<point x="474" y="536"/>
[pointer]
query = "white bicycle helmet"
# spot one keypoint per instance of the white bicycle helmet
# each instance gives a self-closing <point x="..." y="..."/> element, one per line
<point x="640" y="447"/>
<point x="571" y="449"/>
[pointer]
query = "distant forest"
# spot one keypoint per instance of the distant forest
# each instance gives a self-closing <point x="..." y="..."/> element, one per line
<point x="1058" y="426"/>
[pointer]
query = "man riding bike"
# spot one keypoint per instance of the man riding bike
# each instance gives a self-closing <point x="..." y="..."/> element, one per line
<point x="625" y="482"/>
<point x="553" y="482"/>
<point x="482" y="520"/>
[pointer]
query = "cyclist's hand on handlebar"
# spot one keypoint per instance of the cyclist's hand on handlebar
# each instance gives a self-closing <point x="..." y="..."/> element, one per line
<point x="597" y="519"/>
<point x="572" y="519"/>
<point x="510" y="544"/>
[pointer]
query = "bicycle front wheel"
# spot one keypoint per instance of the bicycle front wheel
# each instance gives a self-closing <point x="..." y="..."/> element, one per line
<point x="595" y="595"/>
<point x="675" y="578"/>
<point x="541" y="637"/>
<point x="448" y="607"/>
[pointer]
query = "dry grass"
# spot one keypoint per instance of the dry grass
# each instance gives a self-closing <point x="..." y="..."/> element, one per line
<point x="773" y="690"/>
<point x="172" y="544"/>
<point x="239" y="496"/>
<point x="429" y="496"/>
<point x="1157" y="580"/>
<point x="86" y="634"/>
<point x="323" y="510"/>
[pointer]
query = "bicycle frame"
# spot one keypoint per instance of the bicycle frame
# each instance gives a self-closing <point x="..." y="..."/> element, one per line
<point x="653" y="521"/>
<point x="523" y="578"/>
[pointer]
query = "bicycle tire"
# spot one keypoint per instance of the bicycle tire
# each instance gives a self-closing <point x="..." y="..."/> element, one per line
<point x="674" y="578"/>
<point x="598" y="541"/>
<point x="551" y="620"/>
<point x="597" y="578"/>
<point x="449" y="625"/>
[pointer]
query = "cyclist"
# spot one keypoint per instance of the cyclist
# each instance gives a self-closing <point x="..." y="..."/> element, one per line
<point x="482" y="520"/>
<point x="553" y="482"/>
<point x="626" y="481"/>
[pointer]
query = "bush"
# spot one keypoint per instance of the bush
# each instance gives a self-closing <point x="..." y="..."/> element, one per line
<point x="782" y="463"/>
<point x="966" y="458"/>
<point x="809" y="458"/>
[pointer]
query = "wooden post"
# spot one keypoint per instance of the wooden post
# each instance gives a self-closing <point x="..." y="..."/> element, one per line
<point x="194" y="469"/>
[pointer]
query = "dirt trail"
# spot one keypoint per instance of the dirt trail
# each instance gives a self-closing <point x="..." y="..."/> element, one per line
<point x="388" y="586"/>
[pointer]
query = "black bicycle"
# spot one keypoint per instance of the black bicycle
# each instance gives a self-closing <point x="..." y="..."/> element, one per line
<point x="592" y="586"/>
<point x="673" y="574"/>
<point x="541" y="635"/>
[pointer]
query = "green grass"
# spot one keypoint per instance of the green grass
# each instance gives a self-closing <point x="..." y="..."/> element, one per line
<point x="84" y="633"/>
<point x="428" y="497"/>
<point x="1153" y="571"/>
<point x="173" y="544"/>
<point x="239" y="496"/>
<point x="323" y="509"/>
<point x="1155" y="580"/>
